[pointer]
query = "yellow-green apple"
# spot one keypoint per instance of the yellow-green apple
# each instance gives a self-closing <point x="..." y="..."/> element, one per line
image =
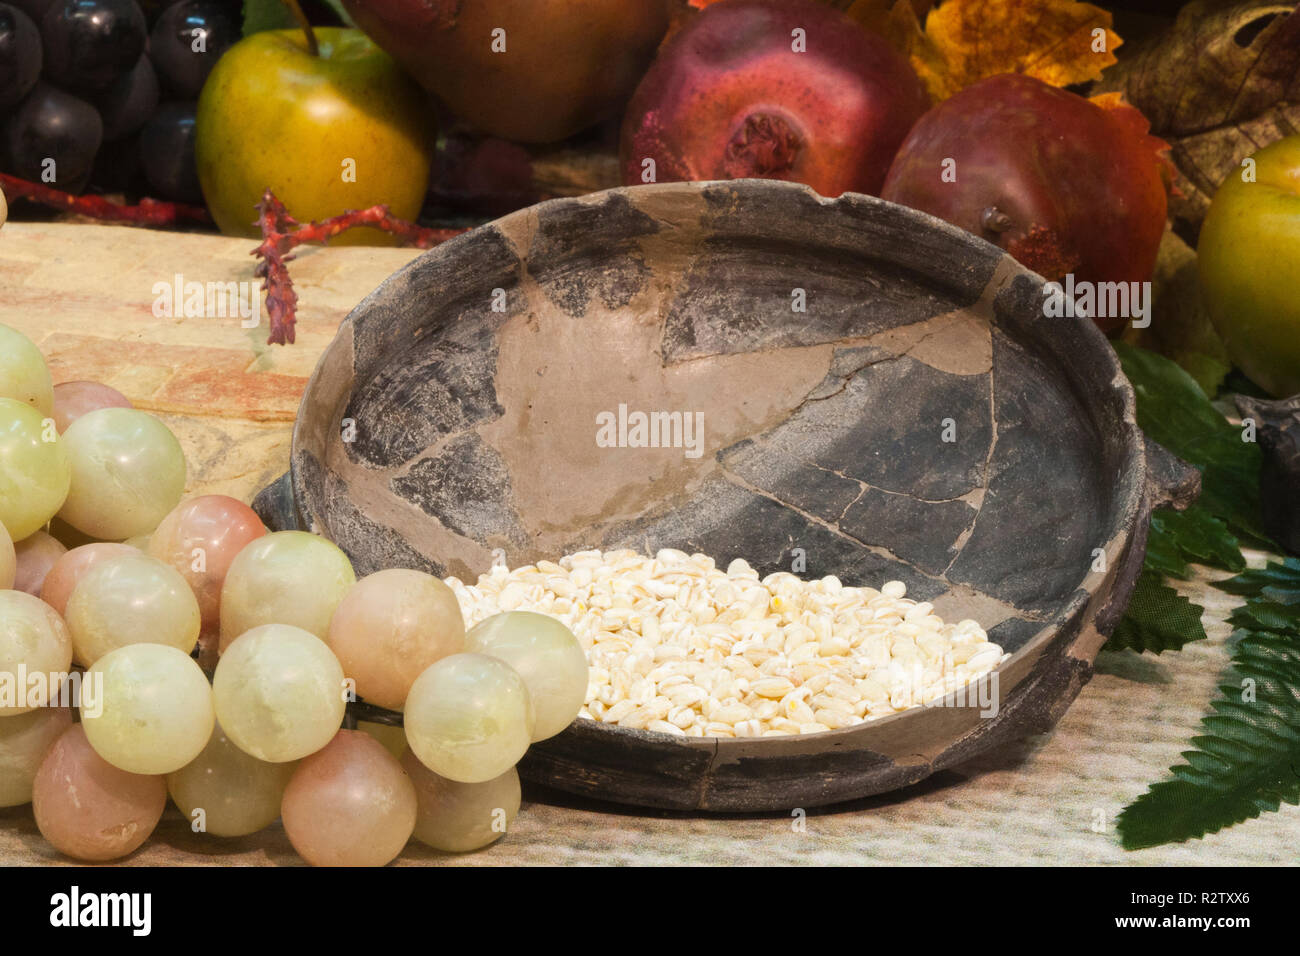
<point x="340" y="129"/>
<point x="1249" y="262"/>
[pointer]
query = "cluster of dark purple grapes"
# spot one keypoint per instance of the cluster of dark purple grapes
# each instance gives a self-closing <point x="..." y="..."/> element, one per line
<point x="101" y="93"/>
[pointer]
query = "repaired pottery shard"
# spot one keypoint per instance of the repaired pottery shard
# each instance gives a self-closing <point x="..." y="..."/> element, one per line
<point x="878" y="395"/>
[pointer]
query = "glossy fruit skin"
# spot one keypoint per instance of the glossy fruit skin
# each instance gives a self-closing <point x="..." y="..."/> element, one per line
<point x="1081" y="187"/>
<point x="20" y="55"/>
<point x="567" y="64"/>
<point x="171" y="43"/>
<point x="729" y="98"/>
<point x="273" y="116"/>
<point x="129" y="101"/>
<point x="1248" y="256"/>
<point x="167" y="153"/>
<point x="52" y="124"/>
<point x="89" y="43"/>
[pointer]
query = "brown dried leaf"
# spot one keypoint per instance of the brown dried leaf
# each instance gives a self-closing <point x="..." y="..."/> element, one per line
<point x="1221" y="84"/>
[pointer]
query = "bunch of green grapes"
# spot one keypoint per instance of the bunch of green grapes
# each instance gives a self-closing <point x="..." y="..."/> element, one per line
<point x="122" y="583"/>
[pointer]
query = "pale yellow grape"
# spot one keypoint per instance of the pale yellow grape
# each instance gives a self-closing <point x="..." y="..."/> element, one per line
<point x="24" y="739"/>
<point x="131" y="599"/>
<point x="128" y="471"/>
<point x="23" y="373"/>
<point x="33" y="641"/>
<point x="35" y="470"/>
<point x="546" y="655"/>
<point x="8" y="560"/>
<point x="459" y="817"/>
<point x="147" y="708"/>
<point x="468" y="718"/>
<point x="279" y="693"/>
<point x="290" y="577"/>
<point x="237" y="793"/>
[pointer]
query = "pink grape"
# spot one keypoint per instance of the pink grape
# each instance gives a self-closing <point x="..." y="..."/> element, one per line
<point x="36" y="555"/>
<point x="89" y="809"/>
<point x="200" y="538"/>
<point x="74" y="399"/>
<point x="350" y="804"/>
<point x="392" y="625"/>
<point x="70" y="568"/>
<point x="24" y="741"/>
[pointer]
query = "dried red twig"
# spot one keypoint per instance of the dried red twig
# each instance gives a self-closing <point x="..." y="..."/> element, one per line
<point x="281" y="233"/>
<point x="149" y="212"/>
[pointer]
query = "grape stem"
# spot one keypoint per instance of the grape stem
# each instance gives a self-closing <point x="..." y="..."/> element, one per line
<point x="281" y="234"/>
<point x="296" y="9"/>
<point x="149" y="212"/>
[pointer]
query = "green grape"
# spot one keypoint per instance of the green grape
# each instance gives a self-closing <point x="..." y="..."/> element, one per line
<point x="459" y="817"/>
<point x="89" y="809"/>
<point x="23" y="373"/>
<point x="290" y="577"/>
<point x="147" y="708"/>
<point x="35" y="470"/>
<point x="389" y="627"/>
<point x="8" y="560"/>
<point x="279" y="693"/>
<point x="33" y="641"/>
<point x="546" y="655"/>
<point x="351" y="804"/>
<point x="236" y="793"/>
<point x="128" y="471"/>
<point x="468" y="718"/>
<point x="24" y="741"/>
<point x="131" y="599"/>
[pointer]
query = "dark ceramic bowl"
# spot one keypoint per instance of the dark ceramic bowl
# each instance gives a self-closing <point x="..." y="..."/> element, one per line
<point x="882" y="398"/>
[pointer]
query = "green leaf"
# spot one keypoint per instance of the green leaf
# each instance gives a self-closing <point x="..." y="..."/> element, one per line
<point x="1268" y="615"/>
<point x="1247" y="759"/>
<point x="1158" y="618"/>
<point x="262" y="15"/>
<point x="1164" y="556"/>
<point x="1199" y="537"/>
<point x="1284" y="574"/>
<point x="1174" y="411"/>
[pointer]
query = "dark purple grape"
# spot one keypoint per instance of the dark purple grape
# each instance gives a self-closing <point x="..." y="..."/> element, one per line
<point x="129" y="101"/>
<point x="20" y="55"/>
<point x="90" y="43"/>
<point x="52" y="137"/>
<point x="118" y="168"/>
<point x="167" y="152"/>
<point x="206" y="24"/>
<point x="35" y="9"/>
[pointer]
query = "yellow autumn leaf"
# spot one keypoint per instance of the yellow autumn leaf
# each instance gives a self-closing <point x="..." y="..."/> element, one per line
<point x="963" y="41"/>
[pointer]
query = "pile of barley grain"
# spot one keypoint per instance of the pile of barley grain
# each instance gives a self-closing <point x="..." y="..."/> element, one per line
<point x="679" y="646"/>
